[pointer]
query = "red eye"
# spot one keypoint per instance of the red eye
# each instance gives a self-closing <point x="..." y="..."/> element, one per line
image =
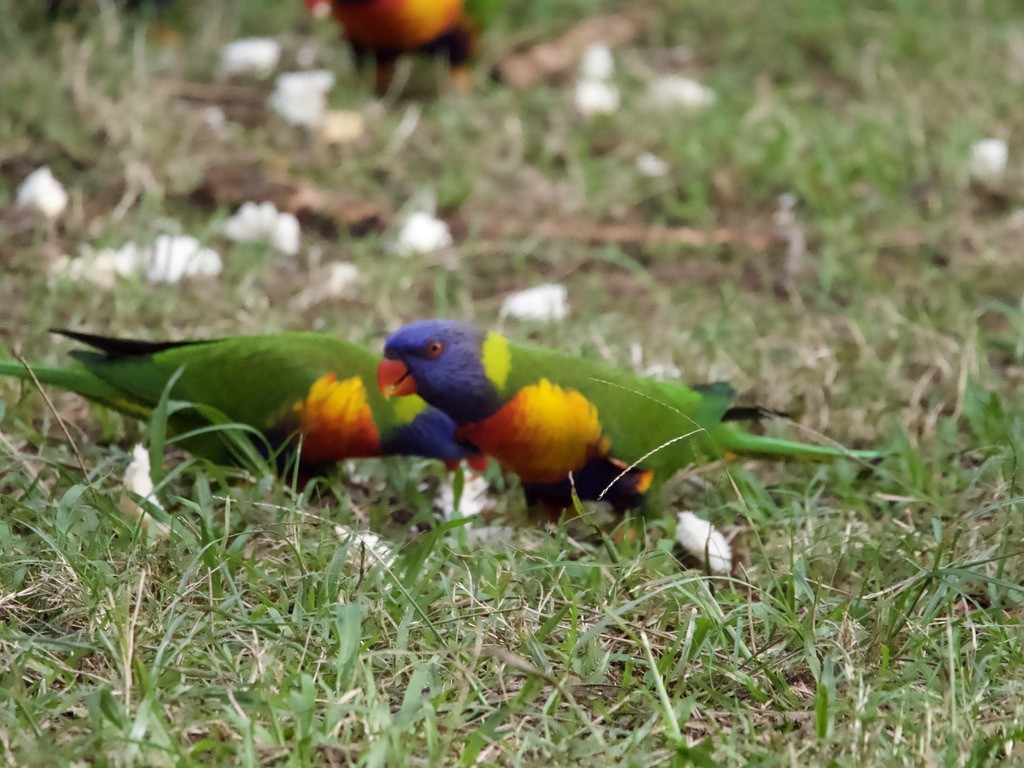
<point x="434" y="348"/>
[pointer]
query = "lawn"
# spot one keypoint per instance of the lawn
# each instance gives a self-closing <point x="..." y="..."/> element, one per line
<point x="817" y="240"/>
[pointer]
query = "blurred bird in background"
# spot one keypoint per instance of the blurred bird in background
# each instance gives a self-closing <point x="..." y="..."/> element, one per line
<point x="385" y="30"/>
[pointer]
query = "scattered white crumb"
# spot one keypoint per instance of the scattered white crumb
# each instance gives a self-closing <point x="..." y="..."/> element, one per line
<point x="341" y="279"/>
<point x="342" y="126"/>
<point x="596" y="97"/>
<point x="138" y="480"/>
<point x="263" y="223"/>
<point x="597" y="63"/>
<point x="171" y="258"/>
<point x="250" y="55"/>
<point x="362" y="479"/>
<point x="698" y="537"/>
<point x="651" y="166"/>
<point x="595" y="93"/>
<point x="473" y="501"/>
<point x="677" y="92"/>
<point x="301" y="97"/>
<point x="422" y="232"/>
<point x="335" y="280"/>
<point x="137" y="477"/>
<point x="41" y="191"/>
<point x="663" y="372"/>
<point x="377" y="551"/>
<point x="216" y="121"/>
<point x="988" y="159"/>
<point x="102" y="268"/>
<point x="548" y="301"/>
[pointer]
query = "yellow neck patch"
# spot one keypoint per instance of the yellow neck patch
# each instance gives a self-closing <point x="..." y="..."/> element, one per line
<point x="497" y="359"/>
<point x="408" y="408"/>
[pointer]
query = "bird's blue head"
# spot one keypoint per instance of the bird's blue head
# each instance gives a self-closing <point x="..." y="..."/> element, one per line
<point x="442" y="362"/>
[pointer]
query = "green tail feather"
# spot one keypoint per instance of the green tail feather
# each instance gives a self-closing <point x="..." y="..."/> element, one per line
<point x="211" y="442"/>
<point x="79" y="381"/>
<point x="758" y="446"/>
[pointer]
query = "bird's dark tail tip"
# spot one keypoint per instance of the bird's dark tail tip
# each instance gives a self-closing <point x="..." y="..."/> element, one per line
<point x="753" y="413"/>
<point x="114" y="347"/>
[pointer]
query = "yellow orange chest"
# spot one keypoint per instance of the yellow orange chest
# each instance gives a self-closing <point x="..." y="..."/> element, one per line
<point x="397" y="25"/>
<point x="335" y="421"/>
<point x="542" y="434"/>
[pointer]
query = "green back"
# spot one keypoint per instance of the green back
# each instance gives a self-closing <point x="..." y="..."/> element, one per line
<point x="78" y="380"/>
<point x="637" y="414"/>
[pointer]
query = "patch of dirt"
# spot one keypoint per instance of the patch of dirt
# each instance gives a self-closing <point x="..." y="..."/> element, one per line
<point x="231" y="184"/>
<point x="552" y="60"/>
<point x="244" y="104"/>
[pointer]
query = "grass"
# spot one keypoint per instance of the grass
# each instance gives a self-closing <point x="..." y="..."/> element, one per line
<point x="875" y="617"/>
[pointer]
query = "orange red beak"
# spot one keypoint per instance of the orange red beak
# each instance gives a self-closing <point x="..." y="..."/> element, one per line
<point x="394" y="379"/>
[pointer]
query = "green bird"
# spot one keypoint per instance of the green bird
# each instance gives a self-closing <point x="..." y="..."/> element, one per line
<point x="308" y="396"/>
<point x="545" y="415"/>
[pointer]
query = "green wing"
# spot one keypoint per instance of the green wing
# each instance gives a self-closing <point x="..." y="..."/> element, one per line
<point x="246" y="378"/>
<point x="274" y="384"/>
<point x="250" y="379"/>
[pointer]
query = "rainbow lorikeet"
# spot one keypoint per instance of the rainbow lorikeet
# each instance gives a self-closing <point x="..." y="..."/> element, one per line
<point x="388" y="29"/>
<point x="296" y="391"/>
<point x="543" y="414"/>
